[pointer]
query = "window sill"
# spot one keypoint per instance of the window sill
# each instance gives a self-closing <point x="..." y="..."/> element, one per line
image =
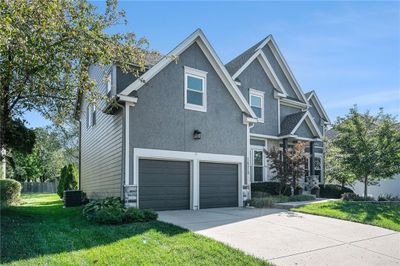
<point x="196" y="108"/>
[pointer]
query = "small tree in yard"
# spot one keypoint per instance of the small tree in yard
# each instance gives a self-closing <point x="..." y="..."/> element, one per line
<point x="289" y="166"/>
<point x="68" y="179"/>
<point x="370" y="146"/>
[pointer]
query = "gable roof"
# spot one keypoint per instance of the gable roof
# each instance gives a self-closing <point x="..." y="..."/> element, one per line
<point x="240" y="63"/>
<point x="312" y="97"/>
<point x="199" y="37"/>
<point x="292" y="122"/>
<point x="236" y="63"/>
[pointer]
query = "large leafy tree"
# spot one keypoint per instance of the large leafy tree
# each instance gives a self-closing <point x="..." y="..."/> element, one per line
<point x="336" y="170"/>
<point x="46" y="48"/>
<point x="44" y="162"/>
<point x="369" y="145"/>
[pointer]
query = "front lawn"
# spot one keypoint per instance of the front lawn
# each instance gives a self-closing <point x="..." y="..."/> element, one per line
<point x="385" y="215"/>
<point x="41" y="232"/>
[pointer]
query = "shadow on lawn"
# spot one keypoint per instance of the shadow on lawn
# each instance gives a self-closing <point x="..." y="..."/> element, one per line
<point x="370" y="211"/>
<point x="46" y="228"/>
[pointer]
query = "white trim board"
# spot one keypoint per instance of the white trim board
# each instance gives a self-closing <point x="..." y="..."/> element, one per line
<point x="311" y="124"/>
<point x="198" y="37"/>
<point x="195" y="158"/>
<point x="317" y="103"/>
<point x="269" y="40"/>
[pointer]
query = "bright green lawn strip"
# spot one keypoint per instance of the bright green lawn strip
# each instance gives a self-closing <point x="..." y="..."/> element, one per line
<point x="385" y="215"/>
<point x="41" y="232"/>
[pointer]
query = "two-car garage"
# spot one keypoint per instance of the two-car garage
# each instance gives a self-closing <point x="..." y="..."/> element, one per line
<point x="182" y="180"/>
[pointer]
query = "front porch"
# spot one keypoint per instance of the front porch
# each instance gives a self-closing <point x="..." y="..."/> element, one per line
<point x="261" y="169"/>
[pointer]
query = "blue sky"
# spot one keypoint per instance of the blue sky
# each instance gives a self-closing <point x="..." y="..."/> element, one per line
<point x="348" y="52"/>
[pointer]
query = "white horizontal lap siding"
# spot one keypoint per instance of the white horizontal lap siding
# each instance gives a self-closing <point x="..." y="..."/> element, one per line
<point x="101" y="150"/>
<point x="195" y="158"/>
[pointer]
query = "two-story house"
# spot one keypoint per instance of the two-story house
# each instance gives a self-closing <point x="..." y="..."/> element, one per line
<point x="190" y="132"/>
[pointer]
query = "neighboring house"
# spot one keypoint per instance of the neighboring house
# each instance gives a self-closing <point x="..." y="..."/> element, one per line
<point x="384" y="187"/>
<point x="190" y="133"/>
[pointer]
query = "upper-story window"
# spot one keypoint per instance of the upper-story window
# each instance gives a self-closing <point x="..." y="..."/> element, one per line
<point x="109" y="83"/>
<point x="90" y="115"/>
<point x="195" y="89"/>
<point x="257" y="103"/>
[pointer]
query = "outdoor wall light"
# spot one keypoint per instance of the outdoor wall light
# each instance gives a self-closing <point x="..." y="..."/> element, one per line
<point x="196" y="134"/>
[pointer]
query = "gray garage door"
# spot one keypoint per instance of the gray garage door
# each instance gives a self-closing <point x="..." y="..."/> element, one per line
<point x="164" y="185"/>
<point x="218" y="185"/>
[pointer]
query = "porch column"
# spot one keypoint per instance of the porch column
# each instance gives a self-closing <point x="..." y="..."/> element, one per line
<point x="312" y="156"/>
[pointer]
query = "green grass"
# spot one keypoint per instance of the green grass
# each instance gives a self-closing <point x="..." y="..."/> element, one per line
<point x="41" y="232"/>
<point x="385" y="215"/>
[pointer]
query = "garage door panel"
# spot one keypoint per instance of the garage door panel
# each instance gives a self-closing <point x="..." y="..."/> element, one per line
<point x="164" y="185"/>
<point x="218" y="185"/>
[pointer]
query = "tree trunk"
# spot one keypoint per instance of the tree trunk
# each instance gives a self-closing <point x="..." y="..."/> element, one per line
<point x="365" y="187"/>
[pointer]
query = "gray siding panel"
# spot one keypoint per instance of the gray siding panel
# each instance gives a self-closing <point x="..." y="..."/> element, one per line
<point x="254" y="77"/>
<point x="164" y="185"/>
<point x="218" y="185"/>
<point x="101" y="154"/>
<point x="159" y="120"/>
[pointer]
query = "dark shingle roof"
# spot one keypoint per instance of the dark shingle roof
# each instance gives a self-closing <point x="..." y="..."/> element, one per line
<point x="290" y="122"/>
<point x="236" y="63"/>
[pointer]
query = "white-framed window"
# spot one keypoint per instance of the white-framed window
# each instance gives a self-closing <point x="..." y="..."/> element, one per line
<point x="90" y="115"/>
<point x="257" y="103"/>
<point x="257" y="163"/>
<point x="195" y="89"/>
<point x="109" y="83"/>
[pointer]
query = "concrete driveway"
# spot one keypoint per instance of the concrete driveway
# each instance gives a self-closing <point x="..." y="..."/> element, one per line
<point x="288" y="238"/>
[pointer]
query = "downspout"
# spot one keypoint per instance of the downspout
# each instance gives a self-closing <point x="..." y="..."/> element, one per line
<point x="123" y="152"/>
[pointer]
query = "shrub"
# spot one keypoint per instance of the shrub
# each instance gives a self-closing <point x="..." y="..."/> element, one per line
<point x="68" y="179"/>
<point x="271" y="188"/>
<point x="315" y="191"/>
<point x="94" y="206"/>
<point x="388" y="197"/>
<point x="298" y="190"/>
<point x="150" y="215"/>
<point x="108" y="216"/>
<point x="112" y="211"/>
<point x="269" y="201"/>
<point x="137" y="215"/>
<point x="333" y="191"/>
<point x="10" y="191"/>
<point x="355" y="197"/>
<point x="266" y="202"/>
<point x="301" y="198"/>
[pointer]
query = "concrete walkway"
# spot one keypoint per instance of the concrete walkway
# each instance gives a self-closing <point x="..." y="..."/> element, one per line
<point x="288" y="238"/>
<point x="295" y="204"/>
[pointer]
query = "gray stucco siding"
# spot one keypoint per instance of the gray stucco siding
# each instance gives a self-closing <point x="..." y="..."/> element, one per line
<point x="254" y="77"/>
<point x="159" y="120"/>
<point x="279" y="72"/>
<point x="257" y="142"/>
<point x="304" y="131"/>
<point x="101" y="147"/>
